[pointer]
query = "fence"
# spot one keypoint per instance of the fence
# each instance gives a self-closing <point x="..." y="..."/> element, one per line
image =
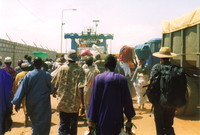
<point x="17" y="51"/>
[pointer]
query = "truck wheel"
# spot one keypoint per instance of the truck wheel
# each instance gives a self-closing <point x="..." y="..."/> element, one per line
<point x="192" y="96"/>
<point x="180" y="111"/>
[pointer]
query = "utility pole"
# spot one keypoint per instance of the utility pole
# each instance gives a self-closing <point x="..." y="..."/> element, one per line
<point x="62" y="23"/>
<point x="96" y="25"/>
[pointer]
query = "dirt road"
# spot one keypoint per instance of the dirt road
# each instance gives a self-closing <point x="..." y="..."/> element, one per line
<point x="145" y="123"/>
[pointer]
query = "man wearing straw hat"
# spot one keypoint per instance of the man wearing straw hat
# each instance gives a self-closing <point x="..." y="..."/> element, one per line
<point x="163" y="116"/>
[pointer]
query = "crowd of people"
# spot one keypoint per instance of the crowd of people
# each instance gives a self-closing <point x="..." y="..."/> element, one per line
<point x="88" y="85"/>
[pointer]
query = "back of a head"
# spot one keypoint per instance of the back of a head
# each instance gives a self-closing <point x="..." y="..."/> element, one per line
<point x="72" y="56"/>
<point x="97" y="57"/>
<point x="8" y="61"/>
<point x="25" y="66"/>
<point x="29" y="58"/>
<point x="38" y="62"/>
<point x="25" y="56"/>
<point x="62" y="56"/>
<point x="19" y="63"/>
<point x="110" y="62"/>
<point x="89" y="61"/>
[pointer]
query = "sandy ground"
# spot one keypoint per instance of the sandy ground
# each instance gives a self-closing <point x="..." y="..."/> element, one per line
<point x="145" y="123"/>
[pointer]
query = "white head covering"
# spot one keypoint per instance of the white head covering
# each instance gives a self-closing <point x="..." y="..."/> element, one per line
<point x="8" y="59"/>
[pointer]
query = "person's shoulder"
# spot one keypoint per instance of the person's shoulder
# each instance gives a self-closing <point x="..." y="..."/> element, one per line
<point x="3" y="71"/>
<point x="156" y="66"/>
<point x="75" y="67"/>
<point x="101" y="75"/>
<point x="115" y="74"/>
<point x="96" y="70"/>
<point x="99" y="61"/>
<point x="64" y="66"/>
<point x="47" y="73"/>
<point x="120" y="75"/>
<point x="20" y="73"/>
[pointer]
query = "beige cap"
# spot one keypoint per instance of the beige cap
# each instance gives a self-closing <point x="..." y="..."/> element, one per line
<point x="8" y="59"/>
<point x="164" y="52"/>
<point x="25" y="65"/>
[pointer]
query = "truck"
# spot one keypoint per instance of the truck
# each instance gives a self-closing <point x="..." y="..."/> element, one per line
<point x="154" y="45"/>
<point x="182" y="35"/>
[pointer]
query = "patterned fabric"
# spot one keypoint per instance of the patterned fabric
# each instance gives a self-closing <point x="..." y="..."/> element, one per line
<point x="10" y="70"/>
<point x="67" y="81"/>
<point x="155" y="68"/>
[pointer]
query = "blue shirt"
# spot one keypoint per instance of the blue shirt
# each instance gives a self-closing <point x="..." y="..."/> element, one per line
<point x="37" y="87"/>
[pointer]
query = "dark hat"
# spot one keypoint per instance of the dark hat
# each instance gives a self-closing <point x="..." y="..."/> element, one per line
<point x="72" y="55"/>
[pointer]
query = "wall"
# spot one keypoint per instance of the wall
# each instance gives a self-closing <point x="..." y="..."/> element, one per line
<point x="17" y="51"/>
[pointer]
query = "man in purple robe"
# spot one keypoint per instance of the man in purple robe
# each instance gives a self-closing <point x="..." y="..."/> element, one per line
<point x="110" y="99"/>
<point x="5" y="93"/>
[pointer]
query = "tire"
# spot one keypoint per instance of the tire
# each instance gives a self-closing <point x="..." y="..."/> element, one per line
<point x="192" y="97"/>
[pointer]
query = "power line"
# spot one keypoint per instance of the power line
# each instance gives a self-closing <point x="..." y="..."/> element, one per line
<point x="33" y="14"/>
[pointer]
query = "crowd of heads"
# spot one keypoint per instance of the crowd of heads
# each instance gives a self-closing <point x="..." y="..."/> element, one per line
<point x="110" y="61"/>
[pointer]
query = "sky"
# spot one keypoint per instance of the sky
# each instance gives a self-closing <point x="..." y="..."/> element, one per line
<point x="131" y="22"/>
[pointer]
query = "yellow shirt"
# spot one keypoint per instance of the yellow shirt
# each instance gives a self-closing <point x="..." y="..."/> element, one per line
<point x="17" y="79"/>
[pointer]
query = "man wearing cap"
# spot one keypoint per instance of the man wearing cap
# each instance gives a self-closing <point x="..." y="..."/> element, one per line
<point x="7" y="68"/>
<point x="18" y="79"/>
<point x="18" y="68"/>
<point x="67" y="81"/>
<point x="59" y="62"/>
<point x="36" y="87"/>
<point x="90" y="72"/>
<point x="99" y="63"/>
<point x="164" y="116"/>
